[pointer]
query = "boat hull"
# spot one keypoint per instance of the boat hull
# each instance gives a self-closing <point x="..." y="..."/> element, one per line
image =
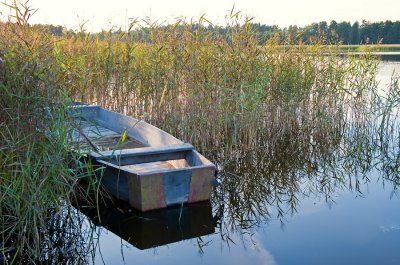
<point x="159" y="188"/>
<point x="160" y="171"/>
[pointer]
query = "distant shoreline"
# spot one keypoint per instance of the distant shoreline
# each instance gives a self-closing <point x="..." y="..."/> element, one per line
<point x="375" y="48"/>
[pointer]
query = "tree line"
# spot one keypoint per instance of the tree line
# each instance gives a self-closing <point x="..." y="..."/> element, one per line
<point x="366" y="32"/>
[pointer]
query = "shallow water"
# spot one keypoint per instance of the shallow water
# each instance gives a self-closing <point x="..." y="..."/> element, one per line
<point x="352" y="217"/>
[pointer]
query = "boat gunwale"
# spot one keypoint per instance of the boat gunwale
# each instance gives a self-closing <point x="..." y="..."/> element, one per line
<point x="141" y="151"/>
<point x="134" y="127"/>
<point x="151" y="172"/>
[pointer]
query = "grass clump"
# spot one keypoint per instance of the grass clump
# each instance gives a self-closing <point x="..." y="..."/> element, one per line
<point x="36" y="178"/>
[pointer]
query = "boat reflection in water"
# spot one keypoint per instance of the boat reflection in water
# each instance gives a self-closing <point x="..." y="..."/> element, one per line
<point x="154" y="228"/>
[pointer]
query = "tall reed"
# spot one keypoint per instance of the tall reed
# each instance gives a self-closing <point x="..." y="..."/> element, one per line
<point x="188" y="80"/>
<point x="36" y="176"/>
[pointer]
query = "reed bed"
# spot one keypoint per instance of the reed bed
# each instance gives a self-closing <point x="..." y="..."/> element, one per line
<point x="303" y="159"/>
<point x="227" y="95"/>
<point x="37" y="172"/>
<point x="204" y="88"/>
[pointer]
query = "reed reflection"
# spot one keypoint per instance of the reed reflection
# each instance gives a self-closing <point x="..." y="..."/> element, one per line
<point x="315" y="148"/>
<point x="315" y="154"/>
<point x="67" y="239"/>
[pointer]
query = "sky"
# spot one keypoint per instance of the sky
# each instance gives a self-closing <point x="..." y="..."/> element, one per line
<point x="102" y="14"/>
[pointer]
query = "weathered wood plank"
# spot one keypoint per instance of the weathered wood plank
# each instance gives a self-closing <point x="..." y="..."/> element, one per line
<point x="88" y="135"/>
<point x="143" y="132"/>
<point x="87" y="112"/>
<point x="146" y="133"/>
<point x="144" y="155"/>
<point x="201" y="183"/>
<point x="176" y="186"/>
<point x="146" y="151"/>
<point x="147" y="158"/>
<point x="145" y="167"/>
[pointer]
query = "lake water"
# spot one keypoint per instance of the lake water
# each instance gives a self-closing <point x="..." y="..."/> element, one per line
<point x="342" y="210"/>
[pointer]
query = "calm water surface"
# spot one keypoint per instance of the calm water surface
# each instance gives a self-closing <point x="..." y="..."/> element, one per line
<point x="352" y="217"/>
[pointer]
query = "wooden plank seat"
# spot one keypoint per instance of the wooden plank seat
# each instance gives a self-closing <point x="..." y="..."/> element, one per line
<point x="142" y="155"/>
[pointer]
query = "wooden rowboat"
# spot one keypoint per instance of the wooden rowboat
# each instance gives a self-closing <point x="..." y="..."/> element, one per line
<point x="143" y="165"/>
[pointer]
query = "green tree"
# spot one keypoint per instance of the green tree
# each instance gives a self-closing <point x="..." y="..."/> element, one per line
<point x="355" y="33"/>
<point x="343" y="30"/>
